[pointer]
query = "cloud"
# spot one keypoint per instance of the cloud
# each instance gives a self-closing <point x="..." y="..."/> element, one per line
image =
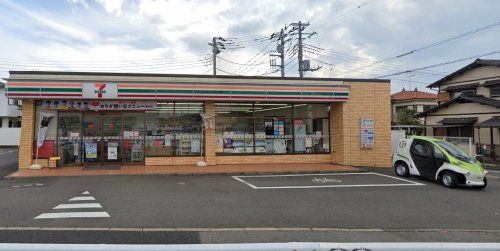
<point x="352" y="38"/>
<point x="112" y="6"/>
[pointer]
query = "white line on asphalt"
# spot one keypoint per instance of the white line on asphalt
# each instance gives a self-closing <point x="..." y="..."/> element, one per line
<point x="73" y="215"/>
<point x="244" y="182"/>
<point x="86" y="192"/>
<point x="409" y="183"/>
<point x="82" y="198"/>
<point x="79" y="205"/>
<point x="300" y="174"/>
<point x="388" y="176"/>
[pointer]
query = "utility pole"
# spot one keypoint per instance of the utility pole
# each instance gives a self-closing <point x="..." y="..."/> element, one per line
<point x="280" y="49"/>
<point x="300" y="27"/>
<point x="282" y="53"/>
<point x="215" y="51"/>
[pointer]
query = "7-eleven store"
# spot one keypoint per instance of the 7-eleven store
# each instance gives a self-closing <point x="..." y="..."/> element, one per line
<point x="102" y="119"/>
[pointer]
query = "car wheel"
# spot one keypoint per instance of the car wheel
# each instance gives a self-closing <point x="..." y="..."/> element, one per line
<point x="401" y="169"/>
<point x="483" y="186"/>
<point x="449" y="179"/>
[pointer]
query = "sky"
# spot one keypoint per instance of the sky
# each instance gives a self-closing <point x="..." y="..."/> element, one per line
<point x="344" y="39"/>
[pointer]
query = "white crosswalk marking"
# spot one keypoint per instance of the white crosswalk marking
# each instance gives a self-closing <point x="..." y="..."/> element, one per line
<point x="82" y="198"/>
<point x="79" y="206"/>
<point x="73" y="215"/>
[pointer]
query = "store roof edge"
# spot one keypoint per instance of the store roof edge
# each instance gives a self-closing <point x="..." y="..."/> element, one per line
<point x="115" y="74"/>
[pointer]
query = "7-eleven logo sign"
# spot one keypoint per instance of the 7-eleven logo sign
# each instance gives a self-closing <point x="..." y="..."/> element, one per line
<point x="100" y="90"/>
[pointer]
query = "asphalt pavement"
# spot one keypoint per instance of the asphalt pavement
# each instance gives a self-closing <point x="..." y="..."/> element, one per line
<point x="8" y="161"/>
<point x="223" y="209"/>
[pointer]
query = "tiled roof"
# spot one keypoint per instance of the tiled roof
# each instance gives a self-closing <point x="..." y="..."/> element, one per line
<point x="409" y="95"/>
<point x="477" y="63"/>
<point x="474" y="98"/>
<point x="493" y="122"/>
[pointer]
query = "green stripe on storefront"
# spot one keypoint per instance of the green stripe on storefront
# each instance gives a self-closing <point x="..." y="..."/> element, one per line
<point x="344" y="94"/>
<point x="249" y="92"/>
<point x="176" y="91"/>
<point x="23" y="89"/>
<point x="318" y="93"/>
<point x="211" y="92"/>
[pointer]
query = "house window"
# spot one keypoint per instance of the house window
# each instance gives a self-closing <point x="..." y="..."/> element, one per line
<point x="461" y="131"/>
<point x="14" y="122"/>
<point x="463" y="93"/>
<point x="427" y="107"/>
<point x="495" y="91"/>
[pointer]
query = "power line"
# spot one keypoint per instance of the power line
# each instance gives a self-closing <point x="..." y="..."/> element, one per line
<point x="345" y="12"/>
<point x="441" y="64"/>
<point x="435" y="44"/>
<point x="232" y="62"/>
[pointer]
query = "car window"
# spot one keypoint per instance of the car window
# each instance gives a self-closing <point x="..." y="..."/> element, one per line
<point x="438" y="153"/>
<point x="422" y="148"/>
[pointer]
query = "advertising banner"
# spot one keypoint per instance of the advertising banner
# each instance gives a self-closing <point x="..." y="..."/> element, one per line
<point x="367" y="133"/>
<point x="97" y="105"/>
<point x="45" y="119"/>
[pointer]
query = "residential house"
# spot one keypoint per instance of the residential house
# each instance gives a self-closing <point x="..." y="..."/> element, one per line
<point x="469" y="105"/>
<point x="10" y="120"/>
<point x="416" y="100"/>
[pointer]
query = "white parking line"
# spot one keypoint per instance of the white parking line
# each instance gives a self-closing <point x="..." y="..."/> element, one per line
<point x="80" y="198"/>
<point x="409" y="183"/>
<point x="73" y="215"/>
<point x="79" y="205"/>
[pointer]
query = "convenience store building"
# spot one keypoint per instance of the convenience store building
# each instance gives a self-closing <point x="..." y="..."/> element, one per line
<point x="101" y="119"/>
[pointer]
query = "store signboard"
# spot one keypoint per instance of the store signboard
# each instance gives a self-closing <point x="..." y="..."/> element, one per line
<point x="367" y="133"/>
<point x="99" y="105"/>
<point x="100" y="90"/>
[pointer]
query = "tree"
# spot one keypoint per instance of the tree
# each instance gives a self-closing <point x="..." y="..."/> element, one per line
<point x="409" y="117"/>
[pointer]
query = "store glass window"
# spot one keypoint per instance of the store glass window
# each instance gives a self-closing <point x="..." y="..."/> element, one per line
<point x="188" y="129"/>
<point x="311" y="128"/>
<point x="69" y="138"/>
<point x="273" y="128"/>
<point x="234" y="128"/>
<point x="160" y="130"/>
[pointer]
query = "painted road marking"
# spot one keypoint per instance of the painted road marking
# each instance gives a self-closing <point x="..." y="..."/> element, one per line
<point x="339" y="175"/>
<point x="79" y="205"/>
<point x="73" y="215"/>
<point x="82" y="198"/>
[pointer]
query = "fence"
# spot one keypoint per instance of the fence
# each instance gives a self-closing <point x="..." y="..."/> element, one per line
<point x="463" y="142"/>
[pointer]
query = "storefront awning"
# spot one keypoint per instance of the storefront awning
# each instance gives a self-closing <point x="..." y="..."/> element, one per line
<point x="458" y="121"/>
<point x="294" y="91"/>
<point x="493" y="122"/>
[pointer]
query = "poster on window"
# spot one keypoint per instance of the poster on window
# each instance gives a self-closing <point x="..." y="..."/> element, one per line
<point x="367" y="133"/>
<point x="112" y="151"/>
<point x="195" y="145"/>
<point x="300" y="135"/>
<point x="90" y="150"/>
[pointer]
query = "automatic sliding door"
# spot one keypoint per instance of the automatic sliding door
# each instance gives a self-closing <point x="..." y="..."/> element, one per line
<point x="112" y="137"/>
<point x="92" y="138"/>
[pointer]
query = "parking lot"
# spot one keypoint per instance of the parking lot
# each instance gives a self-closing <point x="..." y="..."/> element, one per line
<point x="329" y="180"/>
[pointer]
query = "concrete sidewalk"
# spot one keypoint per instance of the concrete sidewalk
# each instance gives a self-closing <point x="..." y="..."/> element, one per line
<point x="186" y="169"/>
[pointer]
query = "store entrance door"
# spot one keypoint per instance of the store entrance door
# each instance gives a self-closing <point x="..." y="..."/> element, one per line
<point x="102" y="141"/>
